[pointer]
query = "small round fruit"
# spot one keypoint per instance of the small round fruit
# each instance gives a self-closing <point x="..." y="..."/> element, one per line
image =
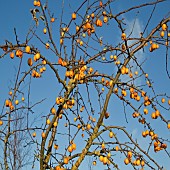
<point x="168" y="125"/>
<point x="12" y="55"/>
<point x="43" y="134"/>
<point x="117" y="148"/>
<point x="111" y="134"/>
<point x="164" y="27"/>
<point x="44" y="30"/>
<point x="73" y="16"/>
<point x="16" y="102"/>
<point x="27" y="49"/>
<point x="129" y="154"/>
<point x="1" y="122"/>
<point x="66" y="160"/>
<point x="70" y="149"/>
<point x="163" y="100"/>
<point x="123" y="36"/>
<point x="126" y="161"/>
<point x="56" y="146"/>
<point x="48" y="121"/>
<point x="34" y="134"/>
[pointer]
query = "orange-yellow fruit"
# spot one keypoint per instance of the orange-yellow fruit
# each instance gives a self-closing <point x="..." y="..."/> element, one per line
<point x="37" y="56"/>
<point x="1" y="122"/>
<point x="74" y="146"/>
<point x="34" y="134"/>
<point x="94" y="163"/>
<point x="109" y="155"/>
<point x="162" y="33"/>
<point x="66" y="160"/>
<point x="164" y="27"/>
<point x="30" y="62"/>
<point x="52" y="19"/>
<point x="48" y="121"/>
<point x="105" y="160"/>
<point x="101" y="158"/>
<point x="123" y="36"/>
<point x="44" y="30"/>
<point x="105" y="19"/>
<point x="99" y="23"/>
<point x="10" y="93"/>
<point x="168" y="125"/>
<point x="16" y="102"/>
<point x="27" y="49"/>
<point x="19" y="53"/>
<point x="73" y="16"/>
<point x="145" y="111"/>
<point x="47" y="45"/>
<point x="142" y="163"/>
<point x="88" y="127"/>
<point x="144" y="134"/>
<point x="126" y="161"/>
<point x="163" y="100"/>
<point x="111" y="134"/>
<point x="12" y="55"/>
<point x="56" y="146"/>
<point x="43" y="134"/>
<point x="129" y="154"/>
<point x="117" y="148"/>
<point x="138" y="162"/>
<point x="103" y="146"/>
<point x="35" y="3"/>
<point x="57" y="167"/>
<point x="101" y="3"/>
<point x="70" y="149"/>
<point x="38" y="3"/>
<point x="55" y="124"/>
<point x="53" y="110"/>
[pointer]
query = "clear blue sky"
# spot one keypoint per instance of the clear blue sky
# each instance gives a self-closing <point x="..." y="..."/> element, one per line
<point x="16" y="14"/>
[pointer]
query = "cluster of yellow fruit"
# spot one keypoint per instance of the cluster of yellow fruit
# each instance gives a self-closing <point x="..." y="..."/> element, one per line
<point x="88" y="26"/>
<point x="155" y="114"/>
<point x="37" y="3"/>
<point x="62" y="62"/>
<point x="113" y="57"/>
<point x="155" y="46"/>
<point x="68" y="104"/>
<point x="134" y="94"/>
<point x="124" y="70"/>
<point x="136" y="162"/>
<point x="72" y="147"/>
<point x="66" y="159"/>
<point x="105" y="159"/>
<point x="18" y="53"/>
<point x="159" y="146"/>
<point x="106" y="82"/>
<point x="9" y="104"/>
<point x="35" y="73"/>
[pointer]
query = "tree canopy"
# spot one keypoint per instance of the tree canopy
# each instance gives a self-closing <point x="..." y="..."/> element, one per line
<point x="85" y="85"/>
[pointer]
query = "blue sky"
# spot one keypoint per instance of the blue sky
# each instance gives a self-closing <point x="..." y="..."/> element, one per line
<point x="16" y="14"/>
